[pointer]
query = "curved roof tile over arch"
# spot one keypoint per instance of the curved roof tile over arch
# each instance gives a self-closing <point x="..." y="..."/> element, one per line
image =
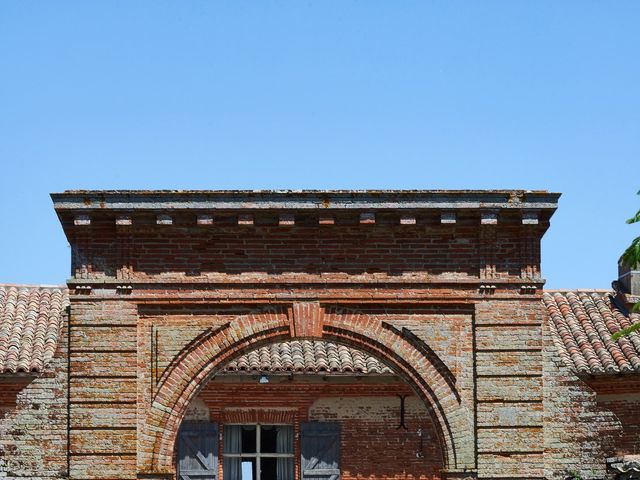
<point x="307" y="356"/>
<point x="581" y="326"/>
<point x="30" y="321"/>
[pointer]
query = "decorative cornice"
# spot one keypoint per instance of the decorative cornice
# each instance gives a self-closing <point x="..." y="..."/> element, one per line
<point x="161" y="200"/>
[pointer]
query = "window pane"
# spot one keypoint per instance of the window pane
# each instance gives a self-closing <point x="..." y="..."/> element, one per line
<point x="239" y="439"/>
<point x="268" y="434"/>
<point x="248" y="468"/>
<point x="232" y="468"/>
<point x="276" y="439"/>
<point x="276" y="468"/>
<point x="239" y="468"/>
<point x="232" y="438"/>
<point x="249" y="439"/>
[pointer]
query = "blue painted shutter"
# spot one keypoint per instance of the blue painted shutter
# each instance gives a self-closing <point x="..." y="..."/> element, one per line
<point x="198" y="451"/>
<point x="320" y="448"/>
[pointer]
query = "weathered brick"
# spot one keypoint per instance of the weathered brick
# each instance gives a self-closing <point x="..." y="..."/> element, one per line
<point x="453" y="308"/>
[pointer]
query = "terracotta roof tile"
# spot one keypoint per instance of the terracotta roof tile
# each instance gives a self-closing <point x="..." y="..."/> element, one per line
<point x="30" y="321"/>
<point x="582" y="324"/>
<point x="306" y="356"/>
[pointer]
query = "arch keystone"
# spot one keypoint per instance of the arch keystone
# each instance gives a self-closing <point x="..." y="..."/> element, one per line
<point x="306" y="320"/>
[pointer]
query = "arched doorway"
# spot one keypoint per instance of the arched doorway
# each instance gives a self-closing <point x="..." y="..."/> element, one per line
<point x="408" y="357"/>
<point x="307" y="409"/>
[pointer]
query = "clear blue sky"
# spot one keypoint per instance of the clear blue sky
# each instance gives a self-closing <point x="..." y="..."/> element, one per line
<point x="323" y="94"/>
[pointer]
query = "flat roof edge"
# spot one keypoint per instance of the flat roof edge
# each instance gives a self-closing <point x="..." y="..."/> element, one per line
<point x="302" y="199"/>
<point x="298" y="191"/>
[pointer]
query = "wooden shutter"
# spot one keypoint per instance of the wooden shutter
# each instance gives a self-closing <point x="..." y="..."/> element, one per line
<point x="198" y="451"/>
<point x="320" y="447"/>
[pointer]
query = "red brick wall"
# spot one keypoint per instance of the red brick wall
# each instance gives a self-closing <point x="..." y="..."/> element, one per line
<point x="621" y="397"/>
<point x="10" y="389"/>
<point x="456" y="288"/>
<point x="373" y="446"/>
<point x="625" y="407"/>
<point x="121" y="345"/>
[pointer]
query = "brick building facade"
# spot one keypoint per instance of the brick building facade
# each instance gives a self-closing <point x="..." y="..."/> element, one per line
<point x="313" y="335"/>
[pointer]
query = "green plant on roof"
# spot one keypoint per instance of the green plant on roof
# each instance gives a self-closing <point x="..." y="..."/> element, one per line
<point x="631" y="258"/>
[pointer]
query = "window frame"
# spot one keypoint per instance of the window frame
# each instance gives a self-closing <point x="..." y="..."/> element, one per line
<point x="258" y="455"/>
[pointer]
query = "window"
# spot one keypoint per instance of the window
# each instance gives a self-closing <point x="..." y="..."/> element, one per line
<point x="258" y="452"/>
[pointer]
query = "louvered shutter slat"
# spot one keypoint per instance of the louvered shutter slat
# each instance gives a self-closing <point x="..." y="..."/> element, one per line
<point x="198" y="451"/>
<point x="320" y="448"/>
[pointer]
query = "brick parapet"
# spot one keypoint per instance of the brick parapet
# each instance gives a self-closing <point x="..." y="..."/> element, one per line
<point x="156" y="236"/>
<point x="303" y="254"/>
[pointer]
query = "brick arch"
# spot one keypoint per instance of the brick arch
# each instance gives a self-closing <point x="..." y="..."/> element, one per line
<point x="411" y="360"/>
